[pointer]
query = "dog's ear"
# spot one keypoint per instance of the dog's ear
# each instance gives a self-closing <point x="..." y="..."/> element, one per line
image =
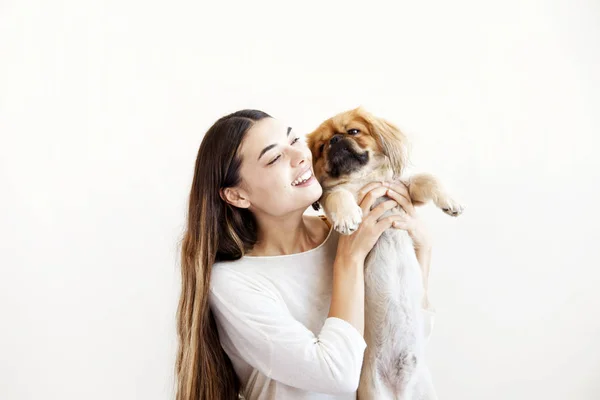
<point x="310" y="143"/>
<point x="391" y="140"/>
<point x="311" y="139"/>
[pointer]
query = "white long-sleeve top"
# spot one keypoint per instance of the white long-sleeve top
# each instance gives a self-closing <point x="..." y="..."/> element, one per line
<point x="271" y="314"/>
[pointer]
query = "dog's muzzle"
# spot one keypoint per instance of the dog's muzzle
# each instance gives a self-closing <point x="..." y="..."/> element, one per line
<point x="343" y="158"/>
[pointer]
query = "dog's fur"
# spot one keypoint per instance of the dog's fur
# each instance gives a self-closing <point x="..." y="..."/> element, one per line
<point x="349" y="151"/>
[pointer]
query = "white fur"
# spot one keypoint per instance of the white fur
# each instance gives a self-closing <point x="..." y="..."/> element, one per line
<point x="394" y="364"/>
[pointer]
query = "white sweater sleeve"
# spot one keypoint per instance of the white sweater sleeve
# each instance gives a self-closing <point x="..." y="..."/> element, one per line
<point x="262" y="331"/>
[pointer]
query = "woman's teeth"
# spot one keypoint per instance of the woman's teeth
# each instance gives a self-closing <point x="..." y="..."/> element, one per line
<point x="303" y="178"/>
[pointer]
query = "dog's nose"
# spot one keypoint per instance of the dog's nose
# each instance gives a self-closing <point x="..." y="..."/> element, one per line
<point x="336" y="138"/>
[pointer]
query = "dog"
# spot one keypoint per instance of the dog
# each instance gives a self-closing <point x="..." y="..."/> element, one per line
<point x="349" y="151"/>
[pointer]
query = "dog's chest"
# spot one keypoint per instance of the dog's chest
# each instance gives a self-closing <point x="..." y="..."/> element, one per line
<point x="393" y="290"/>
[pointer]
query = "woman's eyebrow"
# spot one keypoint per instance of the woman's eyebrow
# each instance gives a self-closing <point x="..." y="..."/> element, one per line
<point x="269" y="147"/>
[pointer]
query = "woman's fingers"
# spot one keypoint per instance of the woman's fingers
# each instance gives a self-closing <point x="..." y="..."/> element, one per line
<point x="381" y="208"/>
<point x="389" y="221"/>
<point x="369" y="199"/>
<point x="399" y="192"/>
<point x="400" y="188"/>
<point x="399" y="221"/>
<point x="403" y="201"/>
<point x="400" y="225"/>
<point x="395" y="190"/>
<point x="366" y="189"/>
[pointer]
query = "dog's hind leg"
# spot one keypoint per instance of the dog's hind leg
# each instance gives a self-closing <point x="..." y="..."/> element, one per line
<point x="424" y="389"/>
<point x="404" y="375"/>
<point x="372" y="386"/>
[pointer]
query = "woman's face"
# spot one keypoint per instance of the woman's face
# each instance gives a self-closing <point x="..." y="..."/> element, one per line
<point x="276" y="170"/>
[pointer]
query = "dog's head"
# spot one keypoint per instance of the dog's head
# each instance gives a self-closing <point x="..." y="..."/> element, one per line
<point x="353" y="142"/>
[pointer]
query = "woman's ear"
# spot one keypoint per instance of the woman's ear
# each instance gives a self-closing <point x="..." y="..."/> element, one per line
<point x="235" y="196"/>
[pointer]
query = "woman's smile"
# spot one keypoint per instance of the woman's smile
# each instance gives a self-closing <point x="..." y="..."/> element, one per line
<point x="305" y="179"/>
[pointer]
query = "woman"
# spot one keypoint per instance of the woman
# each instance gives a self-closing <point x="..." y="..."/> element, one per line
<point x="272" y="301"/>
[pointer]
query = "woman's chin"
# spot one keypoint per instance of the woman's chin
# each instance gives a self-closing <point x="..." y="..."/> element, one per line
<point x="316" y="194"/>
<point x="306" y="196"/>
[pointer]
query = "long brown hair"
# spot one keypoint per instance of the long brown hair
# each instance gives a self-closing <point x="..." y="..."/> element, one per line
<point x="215" y="231"/>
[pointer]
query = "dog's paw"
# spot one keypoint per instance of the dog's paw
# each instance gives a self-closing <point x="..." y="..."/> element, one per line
<point x="451" y="207"/>
<point x="348" y="221"/>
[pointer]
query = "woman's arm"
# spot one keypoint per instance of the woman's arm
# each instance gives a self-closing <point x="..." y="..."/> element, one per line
<point x="256" y="326"/>
<point x="424" y="258"/>
<point x="348" y="292"/>
<point x="417" y="231"/>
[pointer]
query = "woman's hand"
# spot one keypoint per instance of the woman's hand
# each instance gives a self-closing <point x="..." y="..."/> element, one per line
<point x="357" y="245"/>
<point x="348" y="292"/>
<point x="409" y="221"/>
<point x="416" y="230"/>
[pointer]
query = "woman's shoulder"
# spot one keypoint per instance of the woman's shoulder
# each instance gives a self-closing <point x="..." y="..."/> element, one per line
<point x="228" y="278"/>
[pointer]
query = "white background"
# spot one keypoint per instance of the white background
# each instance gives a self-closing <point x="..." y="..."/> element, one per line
<point x="103" y="105"/>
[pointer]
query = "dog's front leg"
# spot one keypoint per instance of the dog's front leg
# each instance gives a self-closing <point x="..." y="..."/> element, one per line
<point x="425" y="187"/>
<point x="342" y="210"/>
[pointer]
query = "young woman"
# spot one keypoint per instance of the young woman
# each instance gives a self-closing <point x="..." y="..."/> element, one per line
<point x="272" y="301"/>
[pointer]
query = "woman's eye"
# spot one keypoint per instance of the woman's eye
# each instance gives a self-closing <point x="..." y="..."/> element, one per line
<point x="353" y="131"/>
<point x="275" y="159"/>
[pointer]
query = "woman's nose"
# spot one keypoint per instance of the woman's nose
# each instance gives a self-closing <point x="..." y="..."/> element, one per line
<point x="299" y="159"/>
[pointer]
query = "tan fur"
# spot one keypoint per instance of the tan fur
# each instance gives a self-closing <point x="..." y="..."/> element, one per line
<point x="387" y="146"/>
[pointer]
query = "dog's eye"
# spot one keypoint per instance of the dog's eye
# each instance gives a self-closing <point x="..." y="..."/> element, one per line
<point x="353" y="132"/>
<point x="321" y="147"/>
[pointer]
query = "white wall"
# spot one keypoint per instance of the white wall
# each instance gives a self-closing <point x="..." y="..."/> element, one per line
<point x="102" y="108"/>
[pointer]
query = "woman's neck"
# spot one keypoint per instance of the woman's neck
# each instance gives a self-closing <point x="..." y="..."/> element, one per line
<point x="289" y="235"/>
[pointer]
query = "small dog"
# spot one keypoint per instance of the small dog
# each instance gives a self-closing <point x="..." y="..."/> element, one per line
<point x="349" y="151"/>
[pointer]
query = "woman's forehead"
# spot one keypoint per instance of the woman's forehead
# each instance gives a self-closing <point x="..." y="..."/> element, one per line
<point x="262" y="134"/>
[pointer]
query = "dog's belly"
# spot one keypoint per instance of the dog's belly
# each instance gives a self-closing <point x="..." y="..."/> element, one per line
<point x="393" y="319"/>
